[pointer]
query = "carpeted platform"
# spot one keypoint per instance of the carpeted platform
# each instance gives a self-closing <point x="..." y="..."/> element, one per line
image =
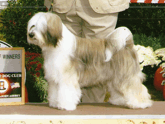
<point x="158" y="108"/>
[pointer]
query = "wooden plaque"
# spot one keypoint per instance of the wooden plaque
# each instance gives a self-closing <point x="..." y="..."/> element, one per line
<point x="12" y="76"/>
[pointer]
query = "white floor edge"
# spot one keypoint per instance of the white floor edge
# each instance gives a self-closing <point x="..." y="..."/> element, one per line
<point x="48" y="117"/>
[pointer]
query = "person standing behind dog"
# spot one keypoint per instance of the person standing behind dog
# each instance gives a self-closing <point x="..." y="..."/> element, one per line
<point x="89" y="19"/>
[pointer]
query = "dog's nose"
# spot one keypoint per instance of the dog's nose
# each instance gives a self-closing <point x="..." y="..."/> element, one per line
<point x="31" y="35"/>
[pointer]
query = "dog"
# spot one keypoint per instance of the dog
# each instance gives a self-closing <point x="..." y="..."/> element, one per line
<point x="71" y="62"/>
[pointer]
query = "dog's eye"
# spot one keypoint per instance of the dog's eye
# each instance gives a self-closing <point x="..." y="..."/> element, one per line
<point x="31" y="35"/>
<point x="32" y="27"/>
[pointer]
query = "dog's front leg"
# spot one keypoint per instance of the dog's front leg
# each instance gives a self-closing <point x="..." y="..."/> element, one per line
<point x="52" y="94"/>
<point x="69" y="92"/>
<point x="68" y="96"/>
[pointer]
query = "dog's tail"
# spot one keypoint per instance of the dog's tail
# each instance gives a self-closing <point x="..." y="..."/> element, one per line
<point x="120" y="38"/>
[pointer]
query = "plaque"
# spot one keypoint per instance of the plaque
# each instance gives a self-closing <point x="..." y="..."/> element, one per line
<point x="12" y="76"/>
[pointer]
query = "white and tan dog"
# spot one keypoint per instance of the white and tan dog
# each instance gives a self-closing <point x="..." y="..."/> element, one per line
<point x="71" y="63"/>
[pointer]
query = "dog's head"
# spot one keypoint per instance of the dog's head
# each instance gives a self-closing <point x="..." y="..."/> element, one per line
<point x="44" y="29"/>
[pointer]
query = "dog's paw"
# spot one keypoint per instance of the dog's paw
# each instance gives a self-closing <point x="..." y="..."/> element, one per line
<point x="52" y="105"/>
<point x="67" y="107"/>
<point x="62" y="107"/>
<point x="141" y="105"/>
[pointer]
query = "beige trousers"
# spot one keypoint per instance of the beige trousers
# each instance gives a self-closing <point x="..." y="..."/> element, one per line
<point x="83" y="21"/>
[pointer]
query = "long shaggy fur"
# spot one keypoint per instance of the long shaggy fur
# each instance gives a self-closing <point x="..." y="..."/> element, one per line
<point x="71" y="63"/>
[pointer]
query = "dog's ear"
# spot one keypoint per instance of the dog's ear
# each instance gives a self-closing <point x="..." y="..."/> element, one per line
<point x="54" y="28"/>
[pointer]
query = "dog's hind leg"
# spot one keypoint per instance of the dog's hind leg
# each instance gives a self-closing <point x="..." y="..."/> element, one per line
<point x="141" y="100"/>
<point x="131" y="93"/>
<point x="137" y="95"/>
<point x="116" y="97"/>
